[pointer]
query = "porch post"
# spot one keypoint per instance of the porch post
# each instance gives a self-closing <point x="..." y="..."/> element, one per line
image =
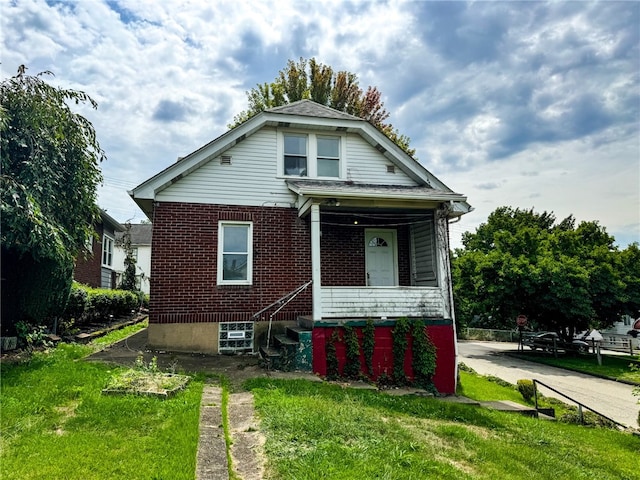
<point x="315" y="262"/>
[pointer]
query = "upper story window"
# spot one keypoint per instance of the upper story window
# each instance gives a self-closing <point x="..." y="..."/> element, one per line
<point x="328" y="156"/>
<point x="235" y="253"/>
<point x="107" y="251"/>
<point x="311" y="155"/>
<point x="295" y="155"/>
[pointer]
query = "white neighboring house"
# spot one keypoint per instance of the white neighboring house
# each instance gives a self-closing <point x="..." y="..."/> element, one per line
<point x="617" y="333"/>
<point x="141" y="244"/>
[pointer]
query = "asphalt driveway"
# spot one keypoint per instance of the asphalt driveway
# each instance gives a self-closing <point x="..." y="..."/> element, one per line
<point x="608" y="397"/>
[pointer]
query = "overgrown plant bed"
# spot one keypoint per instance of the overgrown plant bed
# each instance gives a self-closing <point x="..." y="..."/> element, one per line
<point x="146" y="380"/>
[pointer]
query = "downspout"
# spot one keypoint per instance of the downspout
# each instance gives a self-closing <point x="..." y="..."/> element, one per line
<point x="453" y="310"/>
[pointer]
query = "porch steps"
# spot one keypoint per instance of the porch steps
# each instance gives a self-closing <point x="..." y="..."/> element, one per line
<point x="291" y="350"/>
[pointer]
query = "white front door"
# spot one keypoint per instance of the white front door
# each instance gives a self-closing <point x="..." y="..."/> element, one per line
<point x="381" y="254"/>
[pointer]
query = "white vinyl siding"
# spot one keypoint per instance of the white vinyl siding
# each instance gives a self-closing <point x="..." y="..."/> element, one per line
<point x="249" y="180"/>
<point x="255" y="176"/>
<point x="367" y="165"/>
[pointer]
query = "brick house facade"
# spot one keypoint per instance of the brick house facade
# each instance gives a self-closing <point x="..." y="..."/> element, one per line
<point x="301" y="217"/>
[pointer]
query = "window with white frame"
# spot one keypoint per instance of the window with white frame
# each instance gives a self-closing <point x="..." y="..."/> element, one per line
<point x="311" y="155"/>
<point x="235" y="253"/>
<point x="295" y="155"/>
<point x="107" y="251"/>
<point x="328" y="156"/>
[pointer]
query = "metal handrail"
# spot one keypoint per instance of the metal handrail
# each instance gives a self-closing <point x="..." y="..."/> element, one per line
<point x="281" y="303"/>
<point x="580" y="405"/>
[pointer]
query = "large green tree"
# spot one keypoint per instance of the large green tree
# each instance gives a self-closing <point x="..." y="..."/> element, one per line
<point x="309" y="79"/>
<point x="50" y="172"/>
<point x="564" y="278"/>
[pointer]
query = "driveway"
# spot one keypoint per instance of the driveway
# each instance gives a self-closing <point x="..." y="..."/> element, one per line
<point x="608" y="397"/>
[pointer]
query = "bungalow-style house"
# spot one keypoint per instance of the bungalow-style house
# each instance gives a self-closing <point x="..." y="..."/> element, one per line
<point x="302" y="217"/>
<point x="141" y="246"/>
<point x="96" y="267"/>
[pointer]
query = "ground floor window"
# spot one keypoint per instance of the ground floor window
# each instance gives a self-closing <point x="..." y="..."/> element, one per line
<point x="235" y="253"/>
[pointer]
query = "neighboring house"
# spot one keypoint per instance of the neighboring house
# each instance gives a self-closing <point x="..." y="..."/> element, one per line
<point x="617" y="334"/>
<point x="96" y="267"/>
<point x="141" y="245"/>
<point x="300" y="195"/>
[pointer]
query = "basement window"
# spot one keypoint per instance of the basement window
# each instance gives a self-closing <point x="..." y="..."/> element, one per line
<point x="235" y="337"/>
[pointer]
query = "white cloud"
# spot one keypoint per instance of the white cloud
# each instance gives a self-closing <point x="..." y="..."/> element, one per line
<point x="525" y="104"/>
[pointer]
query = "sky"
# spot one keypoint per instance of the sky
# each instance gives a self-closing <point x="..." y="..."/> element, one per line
<point x="532" y="105"/>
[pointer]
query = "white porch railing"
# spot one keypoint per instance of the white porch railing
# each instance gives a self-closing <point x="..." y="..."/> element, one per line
<point x="375" y="302"/>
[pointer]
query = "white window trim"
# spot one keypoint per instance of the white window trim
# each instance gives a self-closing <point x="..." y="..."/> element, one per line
<point x="249" y="280"/>
<point x="111" y="241"/>
<point x="312" y="153"/>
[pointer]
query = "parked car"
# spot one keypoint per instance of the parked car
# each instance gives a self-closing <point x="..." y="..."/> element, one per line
<point x="546" y="341"/>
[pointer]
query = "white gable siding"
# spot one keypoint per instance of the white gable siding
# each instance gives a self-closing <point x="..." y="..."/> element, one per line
<point x="253" y="177"/>
<point x="249" y="180"/>
<point x="367" y="165"/>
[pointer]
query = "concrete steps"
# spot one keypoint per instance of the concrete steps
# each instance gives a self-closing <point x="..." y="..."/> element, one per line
<point x="291" y="350"/>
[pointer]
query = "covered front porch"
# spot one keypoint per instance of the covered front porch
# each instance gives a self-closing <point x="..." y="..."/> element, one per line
<point x="377" y="251"/>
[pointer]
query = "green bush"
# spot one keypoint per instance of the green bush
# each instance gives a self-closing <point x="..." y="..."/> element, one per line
<point x="88" y="304"/>
<point x="77" y="303"/>
<point x="526" y="389"/>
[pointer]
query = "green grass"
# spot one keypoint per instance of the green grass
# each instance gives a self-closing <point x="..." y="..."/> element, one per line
<point x="117" y="335"/>
<point x="317" y="430"/>
<point x="56" y="423"/>
<point x="482" y="389"/>
<point x="613" y="366"/>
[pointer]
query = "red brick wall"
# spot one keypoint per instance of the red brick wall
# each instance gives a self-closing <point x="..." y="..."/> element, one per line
<point x="184" y="263"/>
<point x="441" y="336"/>
<point x="88" y="270"/>
<point x="343" y="255"/>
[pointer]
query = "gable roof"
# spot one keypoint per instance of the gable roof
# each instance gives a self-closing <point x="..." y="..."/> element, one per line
<point x="309" y="108"/>
<point x="110" y="222"/>
<point x="304" y="114"/>
<point x="140" y="234"/>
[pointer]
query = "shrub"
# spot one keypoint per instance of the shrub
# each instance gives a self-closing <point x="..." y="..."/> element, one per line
<point x="424" y="355"/>
<point x="400" y="343"/>
<point x="369" y="344"/>
<point x="77" y="303"/>
<point x="526" y="389"/>
<point x="352" y="365"/>
<point x="88" y="304"/>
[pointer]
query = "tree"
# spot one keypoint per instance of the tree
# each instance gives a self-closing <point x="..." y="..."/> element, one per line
<point x="318" y="82"/>
<point x="129" y="277"/>
<point x="564" y="278"/>
<point x="50" y="172"/>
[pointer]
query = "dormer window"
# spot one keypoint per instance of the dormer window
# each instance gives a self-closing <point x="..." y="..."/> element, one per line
<point x="295" y="155"/>
<point x="311" y="155"/>
<point x="328" y="156"/>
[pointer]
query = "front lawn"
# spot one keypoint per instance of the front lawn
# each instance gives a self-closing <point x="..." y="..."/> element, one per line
<point x="318" y="430"/>
<point x="56" y="423"/>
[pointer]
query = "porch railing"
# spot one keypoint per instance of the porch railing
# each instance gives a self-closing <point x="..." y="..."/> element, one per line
<point x="390" y="301"/>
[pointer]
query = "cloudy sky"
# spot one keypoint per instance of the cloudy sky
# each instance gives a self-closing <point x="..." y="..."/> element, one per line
<point x="526" y="104"/>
